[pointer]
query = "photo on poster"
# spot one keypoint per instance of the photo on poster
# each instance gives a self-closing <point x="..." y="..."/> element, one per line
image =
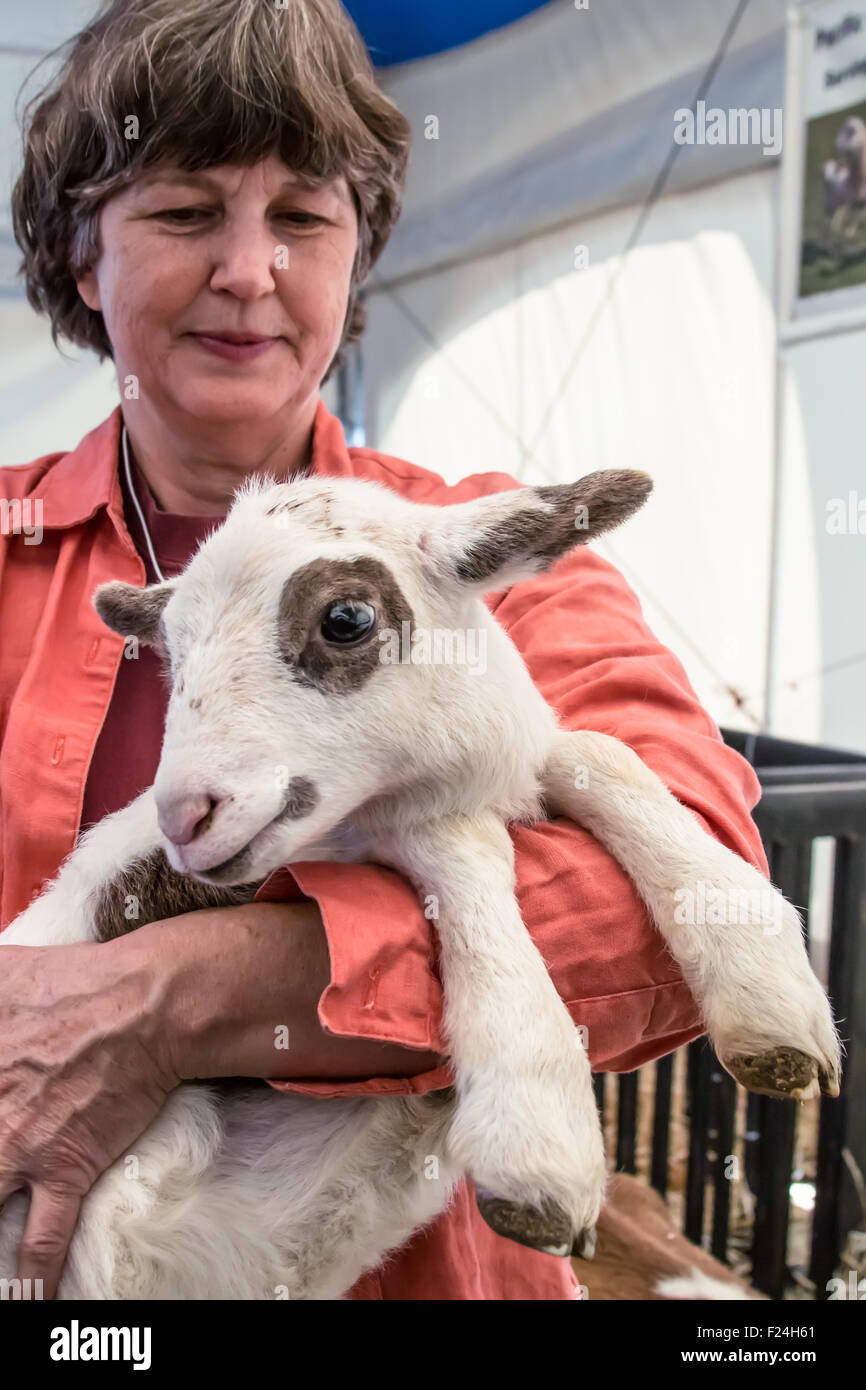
<point x="823" y="262"/>
<point x="833" y="250"/>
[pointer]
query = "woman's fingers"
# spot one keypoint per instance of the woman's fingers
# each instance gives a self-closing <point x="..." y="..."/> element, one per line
<point x="79" y="1082"/>
<point x="50" y="1225"/>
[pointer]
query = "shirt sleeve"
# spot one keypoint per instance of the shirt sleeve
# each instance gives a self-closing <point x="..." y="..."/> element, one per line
<point x="582" y="634"/>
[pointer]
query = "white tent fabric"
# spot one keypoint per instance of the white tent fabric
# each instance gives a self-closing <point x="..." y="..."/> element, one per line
<point x="568" y="113"/>
<point x="677" y="378"/>
<point x="821" y="575"/>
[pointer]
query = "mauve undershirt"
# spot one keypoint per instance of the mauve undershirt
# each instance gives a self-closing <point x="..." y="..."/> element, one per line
<point x="127" y="750"/>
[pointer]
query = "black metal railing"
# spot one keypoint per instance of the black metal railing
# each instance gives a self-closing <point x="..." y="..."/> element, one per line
<point x="807" y="793"/>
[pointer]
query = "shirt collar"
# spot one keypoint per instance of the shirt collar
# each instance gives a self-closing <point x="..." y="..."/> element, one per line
<point x="75" y="487"/>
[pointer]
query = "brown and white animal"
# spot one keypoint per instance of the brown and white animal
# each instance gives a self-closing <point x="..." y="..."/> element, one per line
<point x="845" y="176"/>
<point x="640" y="1254"/>
<point x="292" y="733"/>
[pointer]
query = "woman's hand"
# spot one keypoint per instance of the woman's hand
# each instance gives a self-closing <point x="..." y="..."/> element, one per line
<point x="94" y="1037"/>
<point x="82" y="1074"/>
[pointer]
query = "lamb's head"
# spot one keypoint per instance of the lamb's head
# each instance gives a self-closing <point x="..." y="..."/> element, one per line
<point x="289" y="709"/>
<point x="851" y="136"/>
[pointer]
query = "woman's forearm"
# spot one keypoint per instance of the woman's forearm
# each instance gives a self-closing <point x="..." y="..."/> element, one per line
<point x="233" y="986"/>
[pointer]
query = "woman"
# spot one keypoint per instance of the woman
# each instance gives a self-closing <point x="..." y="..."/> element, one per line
<point x="205" y="186"/>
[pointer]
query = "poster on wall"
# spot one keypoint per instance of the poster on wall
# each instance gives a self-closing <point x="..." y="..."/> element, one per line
<point x="825" y="160"/>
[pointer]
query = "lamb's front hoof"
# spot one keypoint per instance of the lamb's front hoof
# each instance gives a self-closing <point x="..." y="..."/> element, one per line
<point x="584" y="1247"/>
<point x="783" y="1073"/>
<point x="547" y="1229"/>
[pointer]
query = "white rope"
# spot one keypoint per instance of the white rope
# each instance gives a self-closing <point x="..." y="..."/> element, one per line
<point x="137" y="505"/>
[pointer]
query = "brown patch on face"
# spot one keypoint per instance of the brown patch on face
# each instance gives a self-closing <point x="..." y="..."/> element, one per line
<point x="132" y="612"/>
<point x="301" y="798"/>
<point x="305" y="599"/>
<point x="608" y="497"/>
<point x="150" y="890"/>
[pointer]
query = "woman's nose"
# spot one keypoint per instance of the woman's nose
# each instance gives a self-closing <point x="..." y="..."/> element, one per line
<point x="183" y="818"/>
<point x="245" y="262"/>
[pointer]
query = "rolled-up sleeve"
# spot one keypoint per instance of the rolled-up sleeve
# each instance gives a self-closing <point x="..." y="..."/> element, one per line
<point x="582" y="634"/>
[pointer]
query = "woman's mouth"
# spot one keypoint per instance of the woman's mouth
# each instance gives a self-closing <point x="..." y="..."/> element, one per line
<point x="235" y="347"/>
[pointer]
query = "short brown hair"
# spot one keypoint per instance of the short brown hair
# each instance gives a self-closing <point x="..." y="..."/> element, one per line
<point x="208" y="82"/>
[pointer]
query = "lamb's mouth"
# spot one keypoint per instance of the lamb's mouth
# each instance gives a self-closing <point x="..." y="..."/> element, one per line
<point x="300" y="799"/>
<point x="230" y="871"/>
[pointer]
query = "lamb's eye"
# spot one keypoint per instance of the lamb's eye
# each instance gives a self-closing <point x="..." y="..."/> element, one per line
<point x="348" y="621"/>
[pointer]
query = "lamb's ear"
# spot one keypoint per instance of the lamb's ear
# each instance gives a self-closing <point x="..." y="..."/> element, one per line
<point x="133" y="612"/>
<point x="496" y="541"/>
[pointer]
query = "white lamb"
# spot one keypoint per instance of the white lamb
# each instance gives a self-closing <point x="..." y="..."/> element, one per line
<point x="290" y="736"/>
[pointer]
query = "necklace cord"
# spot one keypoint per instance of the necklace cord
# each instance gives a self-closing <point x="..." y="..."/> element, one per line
<point x="150" y="550"/>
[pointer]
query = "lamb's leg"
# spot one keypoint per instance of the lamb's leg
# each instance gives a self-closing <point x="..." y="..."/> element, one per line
<point x="67" y="909"/>
<point x="526" y="1125"/>
<point x="766" y="1013"/>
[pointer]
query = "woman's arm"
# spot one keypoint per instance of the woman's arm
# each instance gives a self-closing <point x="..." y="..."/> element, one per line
<point x="236" y="992"/>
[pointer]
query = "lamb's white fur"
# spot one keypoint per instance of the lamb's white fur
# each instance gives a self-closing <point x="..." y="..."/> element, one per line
<point x="255" y="1194"/>
<point x="697" y="1287"/>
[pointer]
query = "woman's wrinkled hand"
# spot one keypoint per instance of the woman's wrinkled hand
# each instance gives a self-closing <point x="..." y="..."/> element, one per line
<point x="83" y="1071"/>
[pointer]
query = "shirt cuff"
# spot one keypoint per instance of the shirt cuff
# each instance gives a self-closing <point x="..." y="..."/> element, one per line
<point x="384" y="982"/>
<point x="664" y="1017"/>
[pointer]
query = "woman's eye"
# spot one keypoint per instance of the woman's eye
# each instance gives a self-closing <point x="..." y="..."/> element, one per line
<point x="348" y="621"/>
<point x="301" y="219"/>
<point x="182" y="216"/>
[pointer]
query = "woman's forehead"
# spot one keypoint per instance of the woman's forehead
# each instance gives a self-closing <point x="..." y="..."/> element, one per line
<point x="277" y="176"/>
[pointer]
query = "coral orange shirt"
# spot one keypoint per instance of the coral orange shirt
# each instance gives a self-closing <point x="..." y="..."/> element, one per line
<point x="582" y="634"/>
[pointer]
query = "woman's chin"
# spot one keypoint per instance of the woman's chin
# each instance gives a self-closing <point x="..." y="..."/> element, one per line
<point x="226" y="403"/>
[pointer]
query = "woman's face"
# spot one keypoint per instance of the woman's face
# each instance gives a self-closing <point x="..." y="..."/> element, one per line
<point x="185" y="258"/>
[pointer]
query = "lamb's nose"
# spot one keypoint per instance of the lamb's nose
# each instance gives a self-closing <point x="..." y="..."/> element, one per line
<point x="183" y="818"/>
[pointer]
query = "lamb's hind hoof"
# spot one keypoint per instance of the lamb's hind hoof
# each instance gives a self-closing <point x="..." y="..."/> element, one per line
<point x="547" y="1229"/>
<point x="785" y="1073"/>
<point x="584" y="1247"/>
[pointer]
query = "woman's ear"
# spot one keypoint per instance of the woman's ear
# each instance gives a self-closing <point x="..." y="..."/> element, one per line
<point x="496" y="541"/>
<point x="133" y="612"/>
<point x="88" y="288"/>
